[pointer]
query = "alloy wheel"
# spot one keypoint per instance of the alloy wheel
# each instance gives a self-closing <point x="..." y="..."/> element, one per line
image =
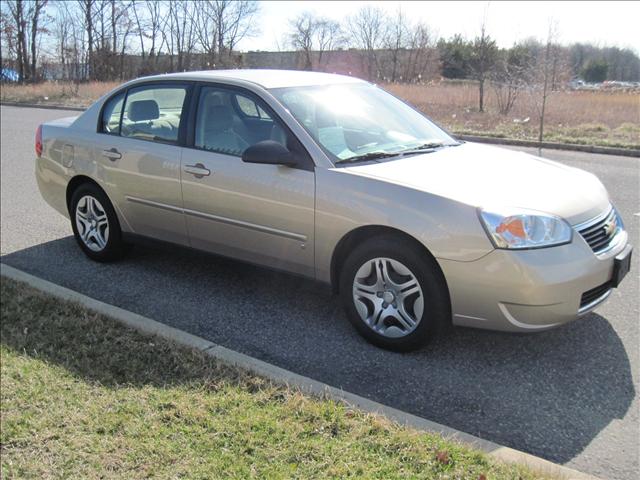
<point x="92" y="222"/>
<point x="388" y="297"/>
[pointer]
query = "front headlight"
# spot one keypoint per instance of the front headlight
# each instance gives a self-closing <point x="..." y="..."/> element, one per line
<point x="515" y="228"/>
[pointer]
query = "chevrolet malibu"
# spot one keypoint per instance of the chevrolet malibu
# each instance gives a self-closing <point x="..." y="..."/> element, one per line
<point x="332" y="178"/>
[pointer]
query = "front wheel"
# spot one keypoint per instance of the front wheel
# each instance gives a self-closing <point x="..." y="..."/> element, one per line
<point x="394" y="293"/>
<point x="95" y="224"/>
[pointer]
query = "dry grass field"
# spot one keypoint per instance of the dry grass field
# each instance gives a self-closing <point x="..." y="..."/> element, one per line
<point x="608" y="118"/>
<point x="56" y="93"/>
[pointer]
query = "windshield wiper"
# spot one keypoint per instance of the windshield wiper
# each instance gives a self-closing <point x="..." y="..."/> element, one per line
<point x="426" y="146"/>
<point x="366" y="156"/>
<point x="431" y="145"/>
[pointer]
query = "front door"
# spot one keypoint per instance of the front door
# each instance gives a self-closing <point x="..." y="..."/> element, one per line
<point x="259" y="213"/>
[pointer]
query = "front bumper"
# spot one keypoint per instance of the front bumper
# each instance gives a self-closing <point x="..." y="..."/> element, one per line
<point x="531" y="290"/>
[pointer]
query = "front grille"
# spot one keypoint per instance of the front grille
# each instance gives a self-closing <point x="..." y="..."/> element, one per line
<point x="593" y="294"/>
<point x="600" y="233"/>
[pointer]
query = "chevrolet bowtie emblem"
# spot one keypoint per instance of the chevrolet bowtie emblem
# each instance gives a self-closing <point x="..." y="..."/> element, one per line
<point x="610" y="226"/>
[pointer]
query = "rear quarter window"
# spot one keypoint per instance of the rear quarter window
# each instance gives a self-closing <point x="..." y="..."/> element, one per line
<point x="110" y="122"/>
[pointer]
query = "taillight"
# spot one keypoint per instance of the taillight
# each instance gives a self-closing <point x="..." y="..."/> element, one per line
<point x="39" y="141"/>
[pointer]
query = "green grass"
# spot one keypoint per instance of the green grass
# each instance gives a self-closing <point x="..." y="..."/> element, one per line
<point x="84" y="397"/>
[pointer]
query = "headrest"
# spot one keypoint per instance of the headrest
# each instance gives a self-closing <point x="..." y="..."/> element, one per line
<point x="278" y="134"/>
<point x="298" y="110"/>
<point x="219" y="118"/>
<point x="142" y="110"/>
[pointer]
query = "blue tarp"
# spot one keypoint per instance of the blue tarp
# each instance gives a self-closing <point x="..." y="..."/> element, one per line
<point x="9" y="75"/>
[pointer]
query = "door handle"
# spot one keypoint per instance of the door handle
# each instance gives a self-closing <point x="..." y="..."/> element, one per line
<point x="198" y="170"/>
<point x="112" y="154"/>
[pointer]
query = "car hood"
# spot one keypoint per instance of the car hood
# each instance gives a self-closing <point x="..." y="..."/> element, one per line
<point x="486" y="176"/>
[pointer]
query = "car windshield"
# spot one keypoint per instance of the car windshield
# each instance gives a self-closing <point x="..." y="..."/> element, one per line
<point x="360" y="121"/>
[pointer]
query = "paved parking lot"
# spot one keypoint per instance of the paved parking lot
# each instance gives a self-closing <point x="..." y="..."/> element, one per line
<point x="568" y="395"/>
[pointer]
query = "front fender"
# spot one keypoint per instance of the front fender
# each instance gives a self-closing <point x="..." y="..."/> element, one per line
<point x="449" y="229"/>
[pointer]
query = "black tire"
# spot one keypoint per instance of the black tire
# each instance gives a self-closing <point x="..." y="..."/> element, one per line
<point x="114" y="248"/>
<point x="437" y="310"/>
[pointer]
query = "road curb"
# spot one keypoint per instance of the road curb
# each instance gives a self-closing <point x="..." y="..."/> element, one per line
<point x="284" y="377"/>
<point x="43" y="105"/>
<point x="625" y="152"/>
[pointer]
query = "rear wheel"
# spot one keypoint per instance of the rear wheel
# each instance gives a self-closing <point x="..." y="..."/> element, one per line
<point x="95" y="224"/>
<point x="394" y="293"/>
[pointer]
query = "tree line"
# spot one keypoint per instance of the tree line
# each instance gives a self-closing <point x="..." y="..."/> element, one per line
<point x="119" y="39"/>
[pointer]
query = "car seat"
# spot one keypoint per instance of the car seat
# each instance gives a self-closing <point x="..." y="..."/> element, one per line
<point x="218" y="134"/>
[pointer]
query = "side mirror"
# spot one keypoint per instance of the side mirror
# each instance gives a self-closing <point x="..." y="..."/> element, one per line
<point x="270" y="153"/>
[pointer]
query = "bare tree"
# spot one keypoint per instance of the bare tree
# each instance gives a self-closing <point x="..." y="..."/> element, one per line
<point x="234" y="21"/>
<point x="367" y="28"/>
<point x="409" y="52"/>
<point x="206" y="30"/>
<point x="329" y="36"/>
<point x="483" y="58"/>
<point x="539" y="80"/>
<point x="547" y="63"/>
<point x="512" y="72"/>
<point x="140" y="24"/>
<point x="121" y="27"/>
<point x="87" y="8"/>
<point x="69" y="34"/>
<point x="8" y="43"/>
<point x="179" y="33"/>
<point x="154" y="11"/>
<point x="422" y="60"/>
<point x="108" y="25"/>
<point x="27" y="22"/>
<point x="221" y="24"/>
<point x="18" y="16"/>
<point x="313" y="36"/>
<point x="301" y="37"/>
<point x="560" y="67"/>
<point x="150" y="16"/>
<point x="36" y="14"/>
<point x="62" y="32"/>
<point x="101" y="24"/>
<point x="395" y="41"/>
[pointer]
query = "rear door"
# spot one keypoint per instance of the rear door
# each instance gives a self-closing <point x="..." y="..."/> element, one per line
<point x="260" y="213"/>
<point x="139" y="153"/>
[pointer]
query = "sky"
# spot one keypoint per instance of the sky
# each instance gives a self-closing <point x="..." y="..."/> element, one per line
<point x="604" y="23"/>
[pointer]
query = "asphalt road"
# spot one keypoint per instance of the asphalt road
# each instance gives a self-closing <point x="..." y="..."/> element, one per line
<point x="568" y="395"/>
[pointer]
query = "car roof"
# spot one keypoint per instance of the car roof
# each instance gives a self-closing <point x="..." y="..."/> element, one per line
<point x="264" y="77"/>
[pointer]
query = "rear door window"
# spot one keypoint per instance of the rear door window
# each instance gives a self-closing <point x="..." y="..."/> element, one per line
<point x="154" y="113"/>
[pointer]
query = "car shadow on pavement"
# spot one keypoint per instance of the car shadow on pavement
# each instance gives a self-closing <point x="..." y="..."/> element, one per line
<point x="548" y="393"/>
